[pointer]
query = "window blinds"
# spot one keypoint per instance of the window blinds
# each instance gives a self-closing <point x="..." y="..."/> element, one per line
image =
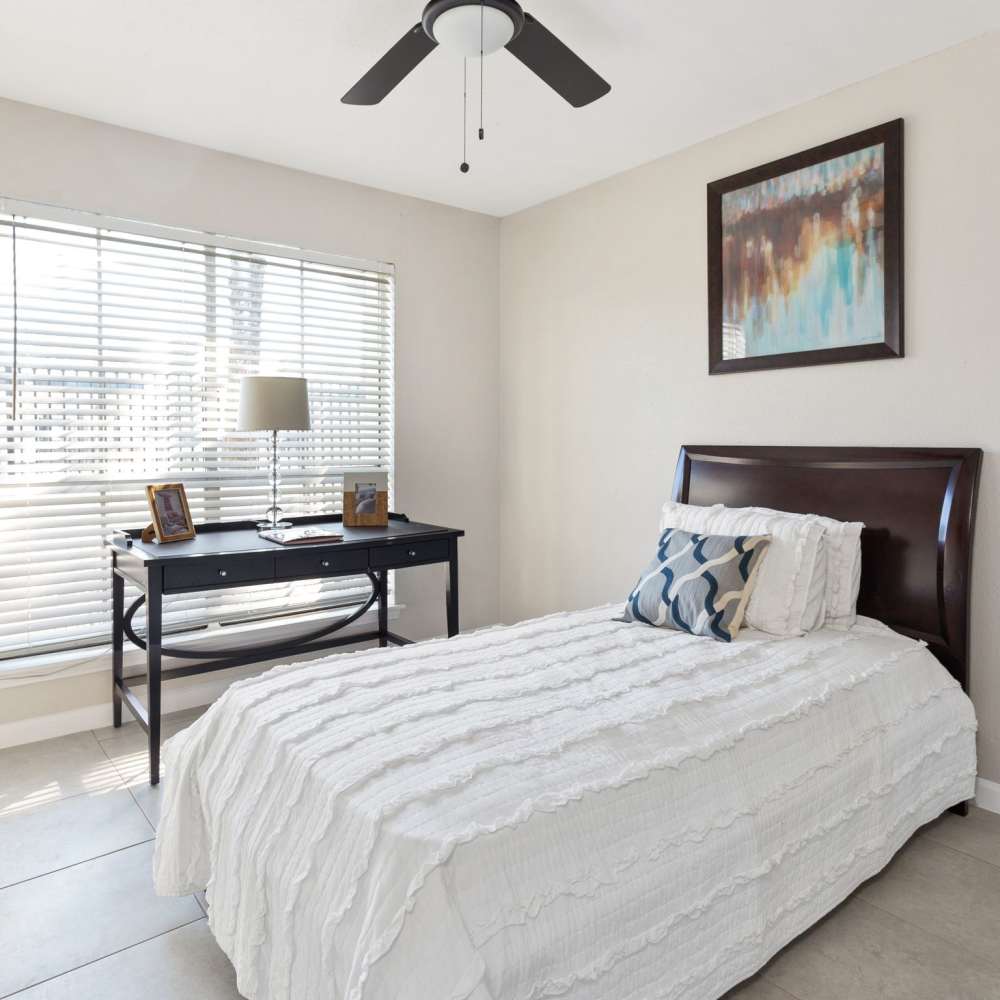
<point x="120" y="359"/>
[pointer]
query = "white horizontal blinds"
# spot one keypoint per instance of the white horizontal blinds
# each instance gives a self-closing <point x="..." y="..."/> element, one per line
<point x="129" y="350"/>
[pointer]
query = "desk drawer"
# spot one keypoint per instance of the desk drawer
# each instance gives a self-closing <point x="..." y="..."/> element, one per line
<point x="410" y="553"/>
<point x="221" y="571"/>
<point x="306" y="564"/>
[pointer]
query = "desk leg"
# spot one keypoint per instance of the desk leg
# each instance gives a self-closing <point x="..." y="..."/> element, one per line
<point x="154" y="638"/>
<point x="117" y="643"/>
<point x="451" y="597"/>
<point x="382" y="576"/>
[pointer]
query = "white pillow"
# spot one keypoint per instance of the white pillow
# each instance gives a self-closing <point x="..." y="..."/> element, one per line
<point x="843" y="570"/>
<point x="790" y="595"/>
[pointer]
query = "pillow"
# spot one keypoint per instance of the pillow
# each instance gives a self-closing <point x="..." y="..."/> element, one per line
<point x="698" y="583"/>
<point x="789" y="596"/>
<point x="842" y="540"/>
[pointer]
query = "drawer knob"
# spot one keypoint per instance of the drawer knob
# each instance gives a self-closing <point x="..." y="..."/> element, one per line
<point x="413" y="553"/>
<point x="325" y="564"/>
<point x="223" y="572"/>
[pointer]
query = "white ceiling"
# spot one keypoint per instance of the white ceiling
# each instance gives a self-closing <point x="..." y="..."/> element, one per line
<point x="263" y="78"/>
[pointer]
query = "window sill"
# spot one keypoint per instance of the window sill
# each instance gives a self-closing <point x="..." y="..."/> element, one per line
<point x="41" y="667"/>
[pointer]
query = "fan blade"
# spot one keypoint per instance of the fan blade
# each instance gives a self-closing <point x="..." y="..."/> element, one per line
<point x="400" y="60"/>
<point x="559" y="66"/>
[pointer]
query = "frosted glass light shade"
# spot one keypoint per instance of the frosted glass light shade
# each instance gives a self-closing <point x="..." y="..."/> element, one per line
<point x="271" y="403"/>
<point x="461" y="28"/>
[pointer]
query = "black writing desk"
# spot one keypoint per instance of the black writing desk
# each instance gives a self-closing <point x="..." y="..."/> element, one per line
<point x="232" y="555"/>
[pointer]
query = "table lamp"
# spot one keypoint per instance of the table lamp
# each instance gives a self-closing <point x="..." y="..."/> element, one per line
<point x="272" y="403"/>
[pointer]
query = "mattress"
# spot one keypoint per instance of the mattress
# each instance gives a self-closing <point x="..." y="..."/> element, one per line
<point x="568" y="807"/>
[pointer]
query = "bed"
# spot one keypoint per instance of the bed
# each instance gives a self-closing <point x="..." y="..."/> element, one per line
<point x="578" y="807"/>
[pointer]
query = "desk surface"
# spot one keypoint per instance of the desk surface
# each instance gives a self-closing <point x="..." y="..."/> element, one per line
<point x="239" y="540"/>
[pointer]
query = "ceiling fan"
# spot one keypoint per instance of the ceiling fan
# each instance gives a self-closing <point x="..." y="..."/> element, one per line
<point x="479" y="27"/>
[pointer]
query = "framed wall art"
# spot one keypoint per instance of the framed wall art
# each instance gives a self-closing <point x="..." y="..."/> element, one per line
<point x="805" y="257"/>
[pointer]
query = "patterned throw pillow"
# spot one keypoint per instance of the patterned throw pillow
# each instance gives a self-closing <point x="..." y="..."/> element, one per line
<point x="698" y="583"/>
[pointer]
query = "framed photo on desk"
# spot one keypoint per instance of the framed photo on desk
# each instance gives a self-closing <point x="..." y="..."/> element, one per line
<point x="171" y="515"/>
<point x="366" y="498"/>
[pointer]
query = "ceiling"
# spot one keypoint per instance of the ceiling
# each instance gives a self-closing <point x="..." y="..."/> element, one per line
<point x="263" y="78"/>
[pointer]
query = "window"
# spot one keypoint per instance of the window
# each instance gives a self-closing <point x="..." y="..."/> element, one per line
<point x="121" y="351"/>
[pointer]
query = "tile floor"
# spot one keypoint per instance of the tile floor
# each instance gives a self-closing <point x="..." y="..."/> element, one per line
<point x="79" y="919"/>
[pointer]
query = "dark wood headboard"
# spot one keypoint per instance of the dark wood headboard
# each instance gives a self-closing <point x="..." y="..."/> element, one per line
<point x="918" y="505"/>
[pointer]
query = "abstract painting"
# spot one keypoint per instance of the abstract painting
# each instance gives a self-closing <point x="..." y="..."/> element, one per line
<point x="805" y="257"/>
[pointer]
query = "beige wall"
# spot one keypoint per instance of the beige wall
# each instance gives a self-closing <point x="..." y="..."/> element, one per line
<point x="447" y="317"/>
<point x="603" y="345"/>
<point x="602" y="352"/>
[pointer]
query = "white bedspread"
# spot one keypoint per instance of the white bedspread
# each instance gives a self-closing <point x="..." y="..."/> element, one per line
<point x="568" y="807"/>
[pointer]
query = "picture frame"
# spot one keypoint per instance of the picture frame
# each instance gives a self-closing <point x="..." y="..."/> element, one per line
<point x="366" y="499"/>
<point x="171" y="515"/>
<point x="805" y="257"/>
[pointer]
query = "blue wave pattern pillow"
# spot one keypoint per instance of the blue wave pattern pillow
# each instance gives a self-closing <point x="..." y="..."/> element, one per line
<point x="698" y="583"/>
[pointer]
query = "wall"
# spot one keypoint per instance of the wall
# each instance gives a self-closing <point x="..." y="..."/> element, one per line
<point x="602" y="331"/>
<point x="604" y="356"/>
<point x="446" y="348"/>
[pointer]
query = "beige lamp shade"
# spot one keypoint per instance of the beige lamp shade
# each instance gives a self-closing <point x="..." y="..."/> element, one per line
<point x="271" y="403"/>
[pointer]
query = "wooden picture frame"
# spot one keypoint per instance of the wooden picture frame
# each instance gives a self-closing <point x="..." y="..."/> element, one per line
<point x="366" y="499"/>
<point x="171" y="515"/>
<point x="775" y="233"/>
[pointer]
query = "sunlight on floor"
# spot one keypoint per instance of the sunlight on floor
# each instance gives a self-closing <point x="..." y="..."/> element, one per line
<point x="133" y="767"/>
<point x="40" y="797"/>
<point x="102" y="777"/>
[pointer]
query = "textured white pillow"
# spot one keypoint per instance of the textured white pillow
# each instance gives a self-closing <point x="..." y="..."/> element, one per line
<point x="843" y="570"/>
<point x="790" y="595"/>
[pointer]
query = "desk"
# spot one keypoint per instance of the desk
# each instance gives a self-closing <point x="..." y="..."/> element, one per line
<point x="233" y="555"/>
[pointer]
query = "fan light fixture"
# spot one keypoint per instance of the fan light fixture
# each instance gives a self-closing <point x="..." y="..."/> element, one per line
<point x="465" y="27"/>
<point x="471" y="27"/>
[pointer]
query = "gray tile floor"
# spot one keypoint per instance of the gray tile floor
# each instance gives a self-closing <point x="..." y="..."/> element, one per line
<point x="79" y="919"/>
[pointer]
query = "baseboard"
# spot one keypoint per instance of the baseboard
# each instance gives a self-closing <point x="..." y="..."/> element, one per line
<point x="47" y="727"/>
<point x="988" y="795"/>
<point x="175" y="698"/>
<point x="188" y="692"/>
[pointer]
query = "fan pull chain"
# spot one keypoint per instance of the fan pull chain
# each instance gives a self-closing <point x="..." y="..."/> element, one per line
<point x="464" y="167"/>
<point x="482" y="35"/>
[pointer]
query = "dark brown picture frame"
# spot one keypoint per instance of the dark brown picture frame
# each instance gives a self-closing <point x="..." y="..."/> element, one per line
<point x="890" y="135"/>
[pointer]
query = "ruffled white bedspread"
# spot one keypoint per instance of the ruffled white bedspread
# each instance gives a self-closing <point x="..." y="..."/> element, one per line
<point x="568" y="807"/>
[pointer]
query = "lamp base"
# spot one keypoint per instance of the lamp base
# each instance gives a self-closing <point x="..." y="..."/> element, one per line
<point x="273" y="525"/>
